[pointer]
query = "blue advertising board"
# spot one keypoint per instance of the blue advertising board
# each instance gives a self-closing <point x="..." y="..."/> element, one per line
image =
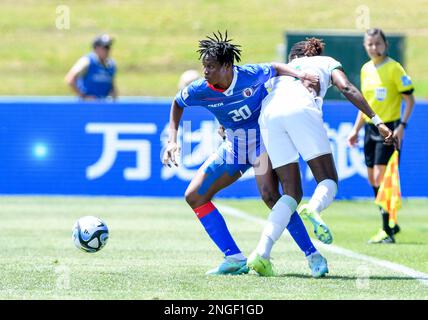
<point x="64" y="147"/>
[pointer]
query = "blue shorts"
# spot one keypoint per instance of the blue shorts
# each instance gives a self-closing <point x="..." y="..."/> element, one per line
<point x="226" y="162"/>
<point x="242" y="146"/>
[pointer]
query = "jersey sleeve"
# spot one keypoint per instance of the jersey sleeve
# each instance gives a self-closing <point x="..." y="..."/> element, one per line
<point x="185" y="97"/>
<point x="333" y="64"/>
<point x="263" y="71"/>
<point x="401" y="79"/>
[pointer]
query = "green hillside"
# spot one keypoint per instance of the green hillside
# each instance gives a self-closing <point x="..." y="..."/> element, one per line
<point x="157" y="40"/>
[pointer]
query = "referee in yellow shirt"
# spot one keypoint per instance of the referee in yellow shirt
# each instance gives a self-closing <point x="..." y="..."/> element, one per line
<point x="384" y="84"/>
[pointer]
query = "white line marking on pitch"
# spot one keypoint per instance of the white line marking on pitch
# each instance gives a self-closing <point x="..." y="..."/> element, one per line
<point x="420" y="276"/>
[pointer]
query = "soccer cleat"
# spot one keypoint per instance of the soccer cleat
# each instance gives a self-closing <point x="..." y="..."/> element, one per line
<point x="260" y="265"/>
<point x="396" y="229"/>
<point x="230" y="266"/>
<point x="318" y="265"/>
<point x="381" y="237"/>
<point x="389" y="239"/>
<point x="321" y="230"/>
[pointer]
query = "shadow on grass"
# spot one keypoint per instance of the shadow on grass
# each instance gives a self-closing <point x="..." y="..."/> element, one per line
<point x="352" y="278"/>
<point x="412" y="243"/>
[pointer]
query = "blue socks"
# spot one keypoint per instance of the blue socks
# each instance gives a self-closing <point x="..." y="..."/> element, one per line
<point x="300" y="235"/>
<point x="216" y="228"/>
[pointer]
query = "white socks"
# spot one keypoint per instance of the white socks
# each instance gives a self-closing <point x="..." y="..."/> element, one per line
<point x="323" y="195"/>
<point x="276" y="224"/>
<point x="265" y="246"/>
<point x="236" y="257"/>
<point x="312" y="254"/>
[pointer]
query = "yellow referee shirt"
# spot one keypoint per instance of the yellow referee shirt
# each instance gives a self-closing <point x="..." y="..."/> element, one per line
<point x="382" y="86"/>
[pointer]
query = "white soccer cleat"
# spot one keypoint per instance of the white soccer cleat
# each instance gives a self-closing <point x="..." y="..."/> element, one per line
<point x="318" y="265"/>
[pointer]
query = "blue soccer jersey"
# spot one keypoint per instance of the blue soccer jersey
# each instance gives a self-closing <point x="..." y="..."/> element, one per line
<point x="237" y="108"/>
<point x="98" y="79"/>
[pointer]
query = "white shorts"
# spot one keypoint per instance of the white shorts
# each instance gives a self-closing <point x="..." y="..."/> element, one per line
<point x="291" y="124"/>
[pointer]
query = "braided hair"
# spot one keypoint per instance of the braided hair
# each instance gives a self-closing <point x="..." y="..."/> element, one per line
<point x="220" y="49"/>
<point x="309" y="48"/>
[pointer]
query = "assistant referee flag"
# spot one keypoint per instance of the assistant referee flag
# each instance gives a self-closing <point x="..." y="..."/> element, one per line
<point x="389" y="195"/>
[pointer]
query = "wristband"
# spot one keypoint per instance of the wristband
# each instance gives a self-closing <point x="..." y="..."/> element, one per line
<point x="404" y="124"/>
<point x="376" y="120"/>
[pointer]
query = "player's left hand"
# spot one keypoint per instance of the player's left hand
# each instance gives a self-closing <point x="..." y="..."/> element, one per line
<point x="386" y="133"/>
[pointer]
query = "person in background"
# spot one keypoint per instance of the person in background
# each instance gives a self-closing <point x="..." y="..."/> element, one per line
<point x="93" y="75"/>
<point x="187" y="77"/>
<point x="384" y="84"/>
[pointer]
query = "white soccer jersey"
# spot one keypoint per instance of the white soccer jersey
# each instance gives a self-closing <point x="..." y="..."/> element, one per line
<point x="291" y="119"/>
<point x="321" y="65"/>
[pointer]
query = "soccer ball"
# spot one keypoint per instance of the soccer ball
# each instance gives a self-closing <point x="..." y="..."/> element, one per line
<point x="90" y="234"/>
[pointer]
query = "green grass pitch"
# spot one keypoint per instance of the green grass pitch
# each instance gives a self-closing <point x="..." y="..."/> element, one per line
<point x="158" y="250"/>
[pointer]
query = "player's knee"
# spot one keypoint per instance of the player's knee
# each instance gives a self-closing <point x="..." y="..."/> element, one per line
<point x="194" y="199"/>
<point x="191" y="197"/>
<point x="269" y="196"/>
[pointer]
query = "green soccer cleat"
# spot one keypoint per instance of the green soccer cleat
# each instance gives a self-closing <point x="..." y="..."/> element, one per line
<point x="321" y="230"/>
<point x="260" y="265"/>
<point x="318" y="265"/>
<point x="230" y="267"/>
<point x="381" y="237"/>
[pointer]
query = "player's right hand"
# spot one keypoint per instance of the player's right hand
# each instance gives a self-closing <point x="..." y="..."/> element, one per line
<point x="171" y="154"/>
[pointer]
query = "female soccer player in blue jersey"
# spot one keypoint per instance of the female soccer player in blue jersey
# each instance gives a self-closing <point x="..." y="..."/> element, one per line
<point x="234" y="95"/>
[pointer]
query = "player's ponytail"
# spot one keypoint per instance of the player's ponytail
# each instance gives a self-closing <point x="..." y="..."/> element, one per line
<point x="313" y="47"/>
<point x="309" y="48"/>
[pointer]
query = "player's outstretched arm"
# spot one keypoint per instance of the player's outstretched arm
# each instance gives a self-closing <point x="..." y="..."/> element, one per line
<point x="283" y="69"/>
<point x="340" y="80"/>
<point x="172" y="150"/>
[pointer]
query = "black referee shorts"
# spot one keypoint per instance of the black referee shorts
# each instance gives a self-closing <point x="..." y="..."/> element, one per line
<point x="375" y="151"/>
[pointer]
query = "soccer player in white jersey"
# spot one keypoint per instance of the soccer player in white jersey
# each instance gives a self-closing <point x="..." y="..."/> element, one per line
<point x="291" y="123"/>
